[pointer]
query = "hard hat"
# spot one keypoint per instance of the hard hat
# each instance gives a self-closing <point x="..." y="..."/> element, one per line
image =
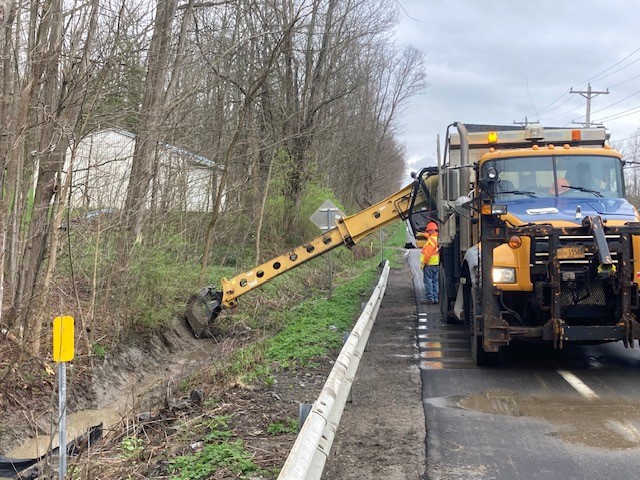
<point x="432" y="226"/>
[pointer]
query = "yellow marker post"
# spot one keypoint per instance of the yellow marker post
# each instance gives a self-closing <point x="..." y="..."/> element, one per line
<point x="63" y="339"/>
<point x="63" y="351"/>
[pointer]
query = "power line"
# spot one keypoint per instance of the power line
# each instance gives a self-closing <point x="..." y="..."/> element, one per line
<point x="619" y="70"/>
<point x="548" y="107"/>
<point x="615" y="103"/>
<point x="623" y="113"/>
<point x="557" y="106"/>
<point x="612" y="66"/>
<point x="629" y="138"/>
<point x="567" y="112"/>
<point x="622" y="83"/>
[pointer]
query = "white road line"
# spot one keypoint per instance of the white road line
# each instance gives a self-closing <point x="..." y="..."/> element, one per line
<point x="578" y="384"/>
<point x="626" y="430"/>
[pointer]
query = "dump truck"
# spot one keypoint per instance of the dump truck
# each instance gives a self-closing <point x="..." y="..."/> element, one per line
<point x="538" y="242"/>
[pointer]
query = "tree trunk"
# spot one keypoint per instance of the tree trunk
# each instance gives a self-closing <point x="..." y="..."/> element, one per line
<point x="152" y="113"/>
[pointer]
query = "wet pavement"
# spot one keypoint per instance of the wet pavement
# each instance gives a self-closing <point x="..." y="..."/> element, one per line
<point x="540" y="414"/>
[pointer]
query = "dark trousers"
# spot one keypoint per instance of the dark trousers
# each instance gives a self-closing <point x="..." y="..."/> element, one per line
<point x="431" y="287"/>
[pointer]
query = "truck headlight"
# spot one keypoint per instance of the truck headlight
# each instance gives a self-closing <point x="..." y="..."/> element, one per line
<point x="504" y="275"/>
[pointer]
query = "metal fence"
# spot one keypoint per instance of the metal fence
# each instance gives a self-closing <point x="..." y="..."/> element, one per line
<point x="312" y="446"/>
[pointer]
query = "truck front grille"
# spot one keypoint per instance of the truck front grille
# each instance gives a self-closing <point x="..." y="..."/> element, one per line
<point x="540" y="250"/>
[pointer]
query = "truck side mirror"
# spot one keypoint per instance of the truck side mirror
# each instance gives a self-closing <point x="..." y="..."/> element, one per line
<point x="462" y="205"/>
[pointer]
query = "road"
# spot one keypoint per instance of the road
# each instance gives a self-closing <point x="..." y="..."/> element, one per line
<point x="540" y="414"/>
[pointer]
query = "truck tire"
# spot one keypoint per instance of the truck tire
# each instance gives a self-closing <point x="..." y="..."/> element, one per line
<point x="446" y="302"/>
<point x="478" y="354"/>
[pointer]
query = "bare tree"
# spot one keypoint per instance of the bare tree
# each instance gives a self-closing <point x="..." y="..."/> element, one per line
<point x="152" y="111"/>
<point x="275" y="95"/>
<point x="631" y="150"/>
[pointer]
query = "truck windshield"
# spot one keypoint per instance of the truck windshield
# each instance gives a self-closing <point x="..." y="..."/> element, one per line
<point x="558" y="175"/>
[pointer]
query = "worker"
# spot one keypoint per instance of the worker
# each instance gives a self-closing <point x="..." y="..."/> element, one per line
<point x="429" y="261"/>
<point x="560" y="186"/>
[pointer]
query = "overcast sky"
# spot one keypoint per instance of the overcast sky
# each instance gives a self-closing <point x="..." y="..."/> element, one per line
<point x="497" y="62"/>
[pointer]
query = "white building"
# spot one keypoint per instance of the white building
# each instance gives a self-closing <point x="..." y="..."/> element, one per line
<point x="102" y="166"/>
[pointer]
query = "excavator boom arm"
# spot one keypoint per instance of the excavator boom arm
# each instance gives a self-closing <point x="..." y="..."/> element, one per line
<point x="348" y="231"/>
<point x="204" y="306"/>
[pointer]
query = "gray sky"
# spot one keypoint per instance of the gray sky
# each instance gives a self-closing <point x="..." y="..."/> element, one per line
<point x="499" y="61"/>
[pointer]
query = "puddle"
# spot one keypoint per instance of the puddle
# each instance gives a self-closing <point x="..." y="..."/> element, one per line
<point x="607" y="423"/>
<point x="77" y="424"/>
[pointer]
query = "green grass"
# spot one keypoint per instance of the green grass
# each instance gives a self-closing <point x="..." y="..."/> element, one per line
<point x="219" y="451"/>
<point x="312" y="328"/>
<point x="304" y="327"/>
<point x="316" y="327"/>
<point x="283" y="427"/>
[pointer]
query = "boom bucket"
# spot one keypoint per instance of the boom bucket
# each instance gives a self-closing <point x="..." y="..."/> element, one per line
<point x="203" y="307"/>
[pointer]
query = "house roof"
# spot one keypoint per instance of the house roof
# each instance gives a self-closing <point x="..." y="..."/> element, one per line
<point x="183" y="152"/>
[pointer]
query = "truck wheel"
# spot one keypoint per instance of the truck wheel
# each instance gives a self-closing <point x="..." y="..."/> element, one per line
<point x="478" y="354"/>
<point x="446" y="308"/>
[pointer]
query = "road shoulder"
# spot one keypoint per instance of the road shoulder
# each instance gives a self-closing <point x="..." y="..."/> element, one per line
<point x="382" y="432"/>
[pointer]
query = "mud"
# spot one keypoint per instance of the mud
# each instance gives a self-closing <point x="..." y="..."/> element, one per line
<point x="129" y="380"/>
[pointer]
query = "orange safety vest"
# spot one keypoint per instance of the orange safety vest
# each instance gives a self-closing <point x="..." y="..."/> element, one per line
<point x="430" y="252"/>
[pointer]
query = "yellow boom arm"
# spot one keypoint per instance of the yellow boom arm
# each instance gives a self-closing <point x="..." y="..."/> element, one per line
<point x="348" y="231"/>
<point x="204" y="306"/>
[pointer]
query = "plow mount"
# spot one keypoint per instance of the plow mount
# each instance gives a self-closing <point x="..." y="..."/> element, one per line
<point x="203" y="307"/>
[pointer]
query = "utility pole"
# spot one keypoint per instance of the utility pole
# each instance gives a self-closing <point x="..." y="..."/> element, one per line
<point x="588" y="94"/>
<point x="525" y="123"/>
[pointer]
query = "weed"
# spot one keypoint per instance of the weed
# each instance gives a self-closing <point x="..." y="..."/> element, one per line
<point x="228" y="455"/>
<point x="217" y="453"/>
<point x="99" y="350"/>
<point x="315" y="327"/>
<point x="279" y="428"/>
<point x="130" y="447"/>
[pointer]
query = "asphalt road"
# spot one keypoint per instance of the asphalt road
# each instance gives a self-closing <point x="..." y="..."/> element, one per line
<point x="540" y="414"/>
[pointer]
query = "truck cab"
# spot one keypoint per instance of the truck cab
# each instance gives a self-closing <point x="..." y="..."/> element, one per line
<point x="537" y="238"/>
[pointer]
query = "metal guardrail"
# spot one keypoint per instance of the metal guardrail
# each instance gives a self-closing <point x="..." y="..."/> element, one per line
<point x="312" y="446"/>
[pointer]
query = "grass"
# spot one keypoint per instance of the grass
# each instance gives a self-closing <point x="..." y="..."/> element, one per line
<point x="306" y="330"/>
<point x="283" y="427"/>
<point x="218" y="451"/>
<point x="316" y="327"/>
